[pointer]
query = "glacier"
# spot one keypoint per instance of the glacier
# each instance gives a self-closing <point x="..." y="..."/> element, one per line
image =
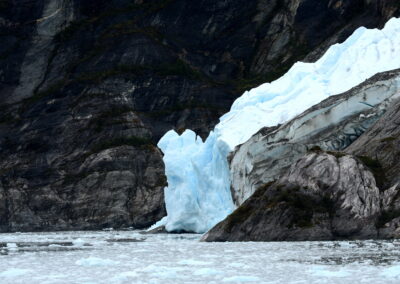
<point x="198" y="194"/>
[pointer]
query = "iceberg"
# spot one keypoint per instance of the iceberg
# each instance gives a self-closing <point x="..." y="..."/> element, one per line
<point x="198" y="195"/>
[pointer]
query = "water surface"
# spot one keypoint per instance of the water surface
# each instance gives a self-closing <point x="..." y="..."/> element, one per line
<point x="129" y="257"/>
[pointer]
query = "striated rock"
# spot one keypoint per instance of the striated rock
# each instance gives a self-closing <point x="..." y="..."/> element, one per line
<point x="157" y="230"/>
<point x="87" y="88"/>
<point x="321" y="197"/>
<point x="332" y="125"/>
<point x="379" y="148"/>
<point x="119" y="186"/>
<point x="382" y="143"/>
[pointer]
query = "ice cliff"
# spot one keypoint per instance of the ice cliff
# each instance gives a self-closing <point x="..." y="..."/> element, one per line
<point x="198" y="194"/>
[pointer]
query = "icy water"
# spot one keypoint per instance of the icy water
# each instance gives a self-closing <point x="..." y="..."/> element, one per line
<point x="129" y="257"/>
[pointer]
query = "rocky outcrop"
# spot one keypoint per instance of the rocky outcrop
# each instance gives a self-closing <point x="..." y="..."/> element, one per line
<point x="332" y="125"/>
<point x="382" y="143"/>
<point x="379" y="148"/>
<point x="353" y="194"/>
<point x="88" y="87"/>
<point x="321" y="197"/>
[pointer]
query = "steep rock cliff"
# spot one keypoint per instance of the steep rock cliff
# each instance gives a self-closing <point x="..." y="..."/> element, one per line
<point x="87" y="88"/>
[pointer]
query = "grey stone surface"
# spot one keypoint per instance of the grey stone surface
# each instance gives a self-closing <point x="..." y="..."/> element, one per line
<point x="382" y="143"/>
<point x="321" y="197"/>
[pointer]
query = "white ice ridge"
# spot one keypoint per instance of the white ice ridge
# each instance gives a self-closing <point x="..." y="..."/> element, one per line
<point x="198" y="194"/>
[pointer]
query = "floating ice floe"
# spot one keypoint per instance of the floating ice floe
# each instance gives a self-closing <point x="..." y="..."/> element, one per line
<point x="95" y="261"/>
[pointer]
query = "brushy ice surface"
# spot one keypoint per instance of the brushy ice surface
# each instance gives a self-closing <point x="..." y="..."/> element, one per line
<point x="128" y="257"/>
<point x="198" y="194"/>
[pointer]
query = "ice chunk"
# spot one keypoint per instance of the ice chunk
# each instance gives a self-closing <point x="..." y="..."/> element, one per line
<point x="164" y="271"/>
<point x="193" y="262"/>
<point x="95" y="261"/>
<point x="193" y="205"/>
<point x="198" y="194"/>
<point x="207" y="272"/>
<point x="78" y="242"/>
<point x="13" y="272"/>
<point x="241" y="279"/>
<point x="329" y="272"/>
<point x="12" y="245"/>
<point x="392" y="272"/>
<point x="125" y="277"/>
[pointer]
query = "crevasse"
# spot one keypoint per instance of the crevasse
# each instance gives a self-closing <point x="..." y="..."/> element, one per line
<point x="198" y="194"/>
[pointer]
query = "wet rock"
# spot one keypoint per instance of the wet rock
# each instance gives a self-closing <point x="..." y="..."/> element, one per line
<point x="379" y="149"/>
<point x="381" y="143"/>
<point x="390" y="230"/>
<point x="321" y="197"/>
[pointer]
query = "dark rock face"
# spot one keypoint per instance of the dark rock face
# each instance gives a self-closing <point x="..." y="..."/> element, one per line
<point x="382" y="143"/>
<point x="379" y="148"/>
<point x="322" y="197"/>
<point x="88" y="87"/>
